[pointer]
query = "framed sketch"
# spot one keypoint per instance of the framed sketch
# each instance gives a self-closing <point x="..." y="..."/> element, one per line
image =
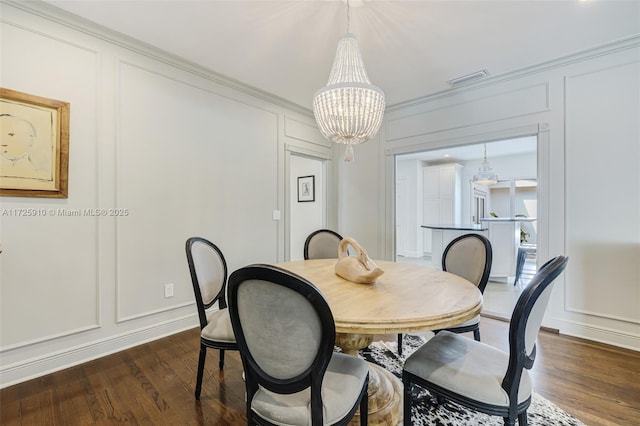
<point x="306" y="189"/>
<point x="34" y="145"/>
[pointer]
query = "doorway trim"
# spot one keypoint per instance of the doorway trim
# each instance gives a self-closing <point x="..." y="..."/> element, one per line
<point x="541" y="130"/>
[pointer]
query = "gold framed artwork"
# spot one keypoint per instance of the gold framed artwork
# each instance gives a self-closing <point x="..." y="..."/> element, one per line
<point x="34" y="145"/>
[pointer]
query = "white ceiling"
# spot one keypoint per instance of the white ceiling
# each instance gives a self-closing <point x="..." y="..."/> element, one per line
<point x="410" y="48"/>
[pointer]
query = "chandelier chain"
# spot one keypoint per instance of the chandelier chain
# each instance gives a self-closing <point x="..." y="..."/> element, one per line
<point x="348" y="17"/>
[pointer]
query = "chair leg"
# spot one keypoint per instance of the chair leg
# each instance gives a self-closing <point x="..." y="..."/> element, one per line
<point x="476" y="334"/>
<point x="364" y="409"/>
<point x="221" y="363"/>
<point x="522" y="418"/>
<point x="509" y="422"/>
<point x="399" y="343"/>
<point x="520" y="258"/>
<point x="407" y="403"/>
<point x="201" y="360"/>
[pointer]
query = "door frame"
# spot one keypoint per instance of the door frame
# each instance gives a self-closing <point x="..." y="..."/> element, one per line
<point x="540" y="130"/>
<point x="329" y="215"/>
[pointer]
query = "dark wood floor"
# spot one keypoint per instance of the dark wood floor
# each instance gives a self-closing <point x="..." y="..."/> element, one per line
<point x="153" y="384"/>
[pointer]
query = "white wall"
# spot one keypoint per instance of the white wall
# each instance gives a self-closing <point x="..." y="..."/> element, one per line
<point x="359" y="197"/>
<point x="584" y="110"/>
<point x="184" y="151"/>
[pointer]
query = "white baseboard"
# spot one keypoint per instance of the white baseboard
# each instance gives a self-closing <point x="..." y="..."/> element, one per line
<point x="35" y="367"/>
<point x="409" y="253"/>
<point x="597" y="334"/>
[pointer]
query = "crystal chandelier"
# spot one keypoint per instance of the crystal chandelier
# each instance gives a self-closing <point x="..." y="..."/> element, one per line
<point x="485" y="176"/>
<point x="349" y="108"/>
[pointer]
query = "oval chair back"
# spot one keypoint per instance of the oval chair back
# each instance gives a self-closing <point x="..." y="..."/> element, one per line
<point x="286" y="336"/>
<point x="322" y="244"/>
<point x="469" y="256"/>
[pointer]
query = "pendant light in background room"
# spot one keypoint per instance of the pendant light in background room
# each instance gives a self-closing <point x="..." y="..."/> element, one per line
<point x="349" y="109"/>
<point x="485" y="176"/>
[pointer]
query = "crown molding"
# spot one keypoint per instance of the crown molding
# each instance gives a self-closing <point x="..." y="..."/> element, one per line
<point x="74" y="22"/>
<point x="595" y="51"/>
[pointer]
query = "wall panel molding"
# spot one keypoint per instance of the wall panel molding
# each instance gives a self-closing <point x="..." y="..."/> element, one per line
<point x="36" y="243"/>
<point x="305" y="132"/>
<point x="123" y="319"/>
<point x="594" y="52"/>
<point x="76" y="23"/>
<point x="511" y="103"/>
<point x="23" y="370"/>
<point x="605" y="242"/>
<point x="597" y="333"/>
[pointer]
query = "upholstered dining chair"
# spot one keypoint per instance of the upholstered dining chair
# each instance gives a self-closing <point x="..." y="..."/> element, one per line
<point x="480" y="376"/>
<point x="286" y="335"/>
<point x="322" y="244"/>
<point x="468" y="256"/>
<point x="209" y="278"/>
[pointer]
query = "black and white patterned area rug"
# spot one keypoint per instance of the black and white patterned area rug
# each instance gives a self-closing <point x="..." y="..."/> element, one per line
<point x="540" y="413"/>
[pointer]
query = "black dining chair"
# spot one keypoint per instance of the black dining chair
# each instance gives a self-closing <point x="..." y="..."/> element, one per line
<point x="322" y="244"/>
<point x="208" y="270"/>
<point x="469" y="256"/>
<point x="477" y="375"/>
<point x="286" y="335"/>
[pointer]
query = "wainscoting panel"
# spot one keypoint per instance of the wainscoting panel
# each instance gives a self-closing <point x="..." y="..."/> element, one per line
<point x="603" y="231"/>
<point x="49" y="267"/>
<point x="189" y="163"/>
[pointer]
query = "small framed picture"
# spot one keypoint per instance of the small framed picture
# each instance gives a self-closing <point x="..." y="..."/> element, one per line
<point x="306" y="189"/>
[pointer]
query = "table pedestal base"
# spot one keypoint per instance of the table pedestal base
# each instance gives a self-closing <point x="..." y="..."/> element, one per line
<point x="385" y="389"/>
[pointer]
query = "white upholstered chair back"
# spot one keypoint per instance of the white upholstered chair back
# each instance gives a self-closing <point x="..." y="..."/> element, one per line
<point x="322" y="244"/>
<point x="210" y="270"/>
<point x="469" y="257"/>
<point x="293" y="322"/>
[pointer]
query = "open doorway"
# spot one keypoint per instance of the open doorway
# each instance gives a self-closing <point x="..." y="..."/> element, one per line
<point x="505" y="211"/>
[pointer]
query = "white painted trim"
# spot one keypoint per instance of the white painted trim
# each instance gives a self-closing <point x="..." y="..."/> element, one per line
<point x="388" y="173"/>
<point x="595" y="51"/>
<point x="55" y="361"/>
<point x="597" y="334"/>
<point x="322" y="154"/>
<point x="326" y="157"/>
<point x="121" y="319"/>
<point x="412" y="253"/>
<point x="470" y="139"/>
<point x="59" y="16"/>
<point x="49" y="337"/>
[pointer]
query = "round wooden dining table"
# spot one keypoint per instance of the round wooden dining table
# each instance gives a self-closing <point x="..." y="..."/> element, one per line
<point x="406" y="298"/>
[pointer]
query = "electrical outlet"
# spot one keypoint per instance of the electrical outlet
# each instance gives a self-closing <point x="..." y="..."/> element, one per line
<point x="168" y="290"/>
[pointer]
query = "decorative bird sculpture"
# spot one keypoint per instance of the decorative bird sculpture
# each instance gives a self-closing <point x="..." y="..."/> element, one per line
<point x="359" y="268"/>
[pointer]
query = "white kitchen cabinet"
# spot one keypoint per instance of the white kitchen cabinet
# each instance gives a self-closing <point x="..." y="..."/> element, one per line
<point x="442" y="198"/>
